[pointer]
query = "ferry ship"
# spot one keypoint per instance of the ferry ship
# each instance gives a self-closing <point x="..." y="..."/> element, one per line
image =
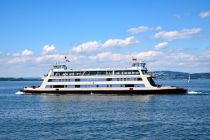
<point x="133" y="80"/>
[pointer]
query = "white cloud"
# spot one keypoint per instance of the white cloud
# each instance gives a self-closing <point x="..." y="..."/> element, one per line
<point x="87" y="47"/>
<point x="26" y="52"/>
<point x="157" y="28"/>
<point x="148" y="54"/>
<point x="180" y="57"/>
<point x="120" y="42"/>
<point x="179" y="61"/>
<point x="207" y="54"/>
<point x="50" y="58"/>
<point x="156" y="60"/>
<point x="91" y="46"/>
<point x="172" y="35"/>
<point x="53" y="58"/>
<point x="161" y="45"/>
<point x="177" y="16"/>
<point x="125" y="57"/>
<point x="109" y="56"/>
<point x="18" y="60"/>
<point x="40" y="59"/>
<point x="141" y="29"/>
<point x="49" y="49"/>
<point x="204" y="14"/>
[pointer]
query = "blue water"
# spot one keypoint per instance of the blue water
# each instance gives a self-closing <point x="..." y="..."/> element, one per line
<point x="106" y="117"/>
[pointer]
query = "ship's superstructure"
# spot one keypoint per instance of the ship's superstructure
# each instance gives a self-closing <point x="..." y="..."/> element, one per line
<point x="133" y="80"/>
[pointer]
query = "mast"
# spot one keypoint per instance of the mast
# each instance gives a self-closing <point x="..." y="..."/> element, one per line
<point x="188" y="78"/>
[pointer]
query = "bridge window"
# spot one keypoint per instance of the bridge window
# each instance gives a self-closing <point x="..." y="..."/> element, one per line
<point x="60" y="67"/>
<point x="151" y="81"/>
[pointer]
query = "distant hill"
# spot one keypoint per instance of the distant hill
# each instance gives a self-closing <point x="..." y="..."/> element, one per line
<point x="164" y="75"/>
<point x="180" y="75"/>
<point x="19" y="79"/>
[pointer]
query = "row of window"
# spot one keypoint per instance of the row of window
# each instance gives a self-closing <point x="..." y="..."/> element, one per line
<point x="95" y="86"/>
<point x="94" y="79"/>
<point x="90" y="73"/>
<point x="127" y="72"/>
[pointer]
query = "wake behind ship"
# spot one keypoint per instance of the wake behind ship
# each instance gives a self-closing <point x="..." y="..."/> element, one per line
<point x="133" y="80"/>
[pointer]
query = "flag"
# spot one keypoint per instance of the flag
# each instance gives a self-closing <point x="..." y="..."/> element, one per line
<point x="134" y="59"/>
<point x="66" y="59"/>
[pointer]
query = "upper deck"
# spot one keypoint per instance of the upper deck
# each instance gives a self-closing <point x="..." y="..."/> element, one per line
<point x="137" y="68"/>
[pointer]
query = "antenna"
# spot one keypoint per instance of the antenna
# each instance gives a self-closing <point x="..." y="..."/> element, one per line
<point x="142" y="61"/>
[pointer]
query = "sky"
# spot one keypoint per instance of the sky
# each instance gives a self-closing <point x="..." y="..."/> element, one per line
<point x="168" y="35"/>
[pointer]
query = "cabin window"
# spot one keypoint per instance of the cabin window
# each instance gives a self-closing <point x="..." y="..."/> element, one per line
<point x="139" y="85"/>
<point x="77" y="73"/>
<point x="77" y="86"/>
<point x="58" y="86"/>
<point x="139" y="79"/>
<point x="102" y="86"/>
<point x="94" y="79"/>
<point x="126" y="72"/>
<point x="70" y="86"/>
<point x="97" y="73"/>
<point x="129" y="85"/>
<point x="108" y="72"/>
<point x="49" y="86"/>
<point x="109" y="79"/>
<point x="116" y="85"/>
<point x="93" y="72"/>
<point x="70" y="73"/>
<point x="77" y="80"/>
<point x="144" y="71"/>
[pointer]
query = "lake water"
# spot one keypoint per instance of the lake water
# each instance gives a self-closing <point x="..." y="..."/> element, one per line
<point x="106" y="117"/>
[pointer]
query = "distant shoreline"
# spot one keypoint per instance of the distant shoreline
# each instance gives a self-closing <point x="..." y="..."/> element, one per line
<point x="172" y="75"/>
<point x="160" y="75"/>
<point x="19" y="79"/>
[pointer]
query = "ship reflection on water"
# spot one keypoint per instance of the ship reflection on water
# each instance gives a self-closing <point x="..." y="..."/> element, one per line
<point x="95" y="98"/>
<point x="81" y="109"/>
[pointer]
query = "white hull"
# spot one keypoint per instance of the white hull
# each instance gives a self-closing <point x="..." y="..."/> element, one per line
<point x="161" y="90"/>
